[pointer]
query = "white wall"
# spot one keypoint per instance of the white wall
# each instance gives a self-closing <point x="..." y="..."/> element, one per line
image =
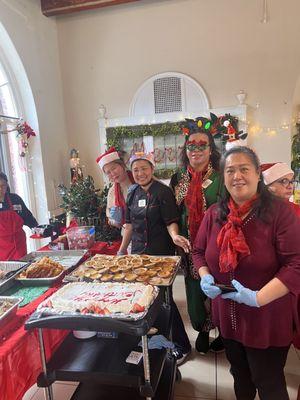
<point x="107" y="54"/>
<point x="35" y="40"/>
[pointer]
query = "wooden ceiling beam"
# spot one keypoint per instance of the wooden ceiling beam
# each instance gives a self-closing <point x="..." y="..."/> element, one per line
<point x="58" y="7"/>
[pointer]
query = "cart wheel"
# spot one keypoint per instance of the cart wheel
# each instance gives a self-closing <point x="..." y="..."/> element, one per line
<point x="178" y="375"/>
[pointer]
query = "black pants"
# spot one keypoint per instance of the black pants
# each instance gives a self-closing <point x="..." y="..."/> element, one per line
<point x="179" y="335"/>
<point x="257" y="369"/>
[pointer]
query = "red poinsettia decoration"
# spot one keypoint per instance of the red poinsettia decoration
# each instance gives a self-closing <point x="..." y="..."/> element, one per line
<point x="25" y="129"/>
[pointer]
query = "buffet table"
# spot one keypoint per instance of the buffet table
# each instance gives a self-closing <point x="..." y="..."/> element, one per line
<point x="20" y="362"/>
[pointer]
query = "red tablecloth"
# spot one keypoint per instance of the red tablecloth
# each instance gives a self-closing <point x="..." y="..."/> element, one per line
<point x="19" y="349"/>
<point x="19" y="353"/>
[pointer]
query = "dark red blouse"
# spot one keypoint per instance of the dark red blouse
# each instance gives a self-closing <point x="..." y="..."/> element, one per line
<point x="275" y="252"/>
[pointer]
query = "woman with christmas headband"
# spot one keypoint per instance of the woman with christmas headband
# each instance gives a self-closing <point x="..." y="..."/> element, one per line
<point x="248" y="255"/>
<point x="115" y="169"/>
<point x="196" y="186"/>
<point x="152" y="226"/>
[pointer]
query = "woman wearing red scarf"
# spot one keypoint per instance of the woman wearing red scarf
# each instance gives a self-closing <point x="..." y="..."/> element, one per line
<point x="115" y="169"/>
<point x="196" y="186"/>
<point x="250" y="240"/>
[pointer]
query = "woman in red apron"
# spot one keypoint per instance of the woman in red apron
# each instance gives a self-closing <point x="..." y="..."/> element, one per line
<point x="13" y="215"/>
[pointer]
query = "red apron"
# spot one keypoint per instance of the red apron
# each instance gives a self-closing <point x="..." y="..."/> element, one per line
<point x="12" y="236"/>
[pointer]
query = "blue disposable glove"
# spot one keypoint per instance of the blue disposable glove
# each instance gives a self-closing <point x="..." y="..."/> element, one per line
<point x="115" y="214"/>
<point x="242" y="295"/>
<point x="159" y="342"/>
<point x="207" y="286"/>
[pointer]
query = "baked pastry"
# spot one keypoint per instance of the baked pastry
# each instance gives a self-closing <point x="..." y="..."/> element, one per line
<point x="130" y="277"/>
<point x="106" y="277"/>
<point x="155" y="281"/>
<point x="44" y="268"/>
<point x="119" y="277"/>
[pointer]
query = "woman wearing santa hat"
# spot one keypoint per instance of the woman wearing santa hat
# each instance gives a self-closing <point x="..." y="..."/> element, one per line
<point x="115" y="169"/>
<point x="279" y="178"/>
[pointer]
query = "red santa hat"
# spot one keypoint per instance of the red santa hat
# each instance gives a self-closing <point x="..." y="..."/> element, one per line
<point x="273" y="172"/>
<point x="110" y="155"/>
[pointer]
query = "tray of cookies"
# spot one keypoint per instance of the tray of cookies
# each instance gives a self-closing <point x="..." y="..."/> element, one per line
<point x="154" y="270"/>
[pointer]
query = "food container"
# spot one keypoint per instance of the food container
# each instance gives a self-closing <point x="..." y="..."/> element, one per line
<point x="39" y="281"/>
<point x="15" y="301"/>
<point x="81" y="237"/>
<point x="9" y="271"/>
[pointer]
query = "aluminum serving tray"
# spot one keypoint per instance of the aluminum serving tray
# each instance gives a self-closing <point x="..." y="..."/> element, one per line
<point x="165" y="281"/>
<point x="39" y="281"/>
<point x="67" y="258"/>
<point x="13" y="267"/>
<point x="12" y="310"/>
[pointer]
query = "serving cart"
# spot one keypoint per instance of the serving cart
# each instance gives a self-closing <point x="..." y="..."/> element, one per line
<point x="99" y="364"/>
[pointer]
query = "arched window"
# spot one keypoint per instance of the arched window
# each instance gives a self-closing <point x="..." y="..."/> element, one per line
<point x="10" y="160"/>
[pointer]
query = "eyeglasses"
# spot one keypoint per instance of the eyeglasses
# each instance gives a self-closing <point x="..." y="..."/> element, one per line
<point x="286" y="182"/>
<point x="199" y="147"/>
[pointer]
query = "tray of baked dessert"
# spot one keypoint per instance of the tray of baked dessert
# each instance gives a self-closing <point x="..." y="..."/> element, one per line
<point x="155" y="270"/>
<point x="43" y="272"/>
<point x="99" y="299"/>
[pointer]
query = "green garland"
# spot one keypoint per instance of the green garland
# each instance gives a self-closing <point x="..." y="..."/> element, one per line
<point x="116" y="135"/>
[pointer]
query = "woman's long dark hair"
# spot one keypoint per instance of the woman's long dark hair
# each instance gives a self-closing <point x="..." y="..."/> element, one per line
<point x="214" y="156"/>
<point x="263" y="204"/>
<point x="3" y="177"/>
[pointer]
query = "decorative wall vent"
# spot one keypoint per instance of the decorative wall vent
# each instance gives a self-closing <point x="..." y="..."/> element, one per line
<point x="167" y="95"/>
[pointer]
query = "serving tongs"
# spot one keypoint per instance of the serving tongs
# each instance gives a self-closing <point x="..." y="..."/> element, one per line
<point x="9" y="274"/>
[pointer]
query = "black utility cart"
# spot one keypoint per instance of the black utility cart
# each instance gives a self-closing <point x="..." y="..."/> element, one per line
<point x="99" y="364"/>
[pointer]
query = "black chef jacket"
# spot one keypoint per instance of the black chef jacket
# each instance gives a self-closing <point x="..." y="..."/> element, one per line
<point x="20" y="208"/>
<point x="150" y="213"/>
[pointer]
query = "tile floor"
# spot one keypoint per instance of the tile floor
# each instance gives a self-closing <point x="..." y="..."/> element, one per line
<point x="203" y="377"/>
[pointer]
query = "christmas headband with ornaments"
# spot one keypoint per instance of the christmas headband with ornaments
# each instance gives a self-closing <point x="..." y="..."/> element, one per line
<point x="110" y="155"/>
<point x="197" y="125"/>
<point x="142" y="156"/>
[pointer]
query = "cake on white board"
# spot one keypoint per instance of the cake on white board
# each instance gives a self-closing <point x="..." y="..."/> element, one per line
<point x="102" y="298"/>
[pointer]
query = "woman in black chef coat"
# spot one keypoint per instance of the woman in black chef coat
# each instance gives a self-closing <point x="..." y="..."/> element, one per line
<point x="13" y="215"/>
<point x="152" y="226"/>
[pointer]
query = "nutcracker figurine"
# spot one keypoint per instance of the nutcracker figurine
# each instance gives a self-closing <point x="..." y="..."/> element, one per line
<point x="75" y="168"/>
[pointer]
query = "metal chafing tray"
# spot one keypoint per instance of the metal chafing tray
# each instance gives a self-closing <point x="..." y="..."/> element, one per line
<point x="11" y="268"/>
<point x="67" y="258"/>
<point x="12" y="310"/>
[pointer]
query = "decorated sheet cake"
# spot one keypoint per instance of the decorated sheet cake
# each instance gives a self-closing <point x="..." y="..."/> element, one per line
<point x="106" y="299"/>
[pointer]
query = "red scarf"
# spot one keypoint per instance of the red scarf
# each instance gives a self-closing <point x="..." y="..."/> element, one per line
<point x="119" y="197"/>
<point x="231" y="239"/>
<point x="194" y="201"/>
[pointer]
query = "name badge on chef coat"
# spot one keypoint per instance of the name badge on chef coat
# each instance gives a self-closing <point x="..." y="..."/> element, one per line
<point x="17" y="207"/>
<point x="206" y="183"/>
<point x="142" y="203"/>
